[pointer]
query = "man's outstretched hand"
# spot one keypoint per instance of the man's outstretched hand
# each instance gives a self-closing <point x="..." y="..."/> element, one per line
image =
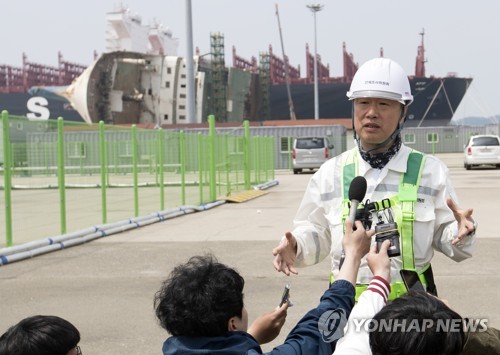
<point x="464" y="220"/>
<point x="285" y="254"/>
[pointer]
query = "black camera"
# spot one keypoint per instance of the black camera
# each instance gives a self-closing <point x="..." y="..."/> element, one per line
<point x="388" y="231"/>
<point x="365" y="216"/>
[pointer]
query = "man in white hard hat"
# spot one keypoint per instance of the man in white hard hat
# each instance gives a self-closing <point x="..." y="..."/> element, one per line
<point x="409" y="195"/>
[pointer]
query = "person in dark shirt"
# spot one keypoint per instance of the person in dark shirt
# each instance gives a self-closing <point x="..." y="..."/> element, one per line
<point x="201" y="305"/>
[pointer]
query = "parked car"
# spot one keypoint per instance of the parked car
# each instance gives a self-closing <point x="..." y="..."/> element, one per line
<point x="310" y="153"/>
<point x="482" y="150"/>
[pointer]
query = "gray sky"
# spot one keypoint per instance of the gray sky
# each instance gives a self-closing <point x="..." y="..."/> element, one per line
<point x="461" y="36"/>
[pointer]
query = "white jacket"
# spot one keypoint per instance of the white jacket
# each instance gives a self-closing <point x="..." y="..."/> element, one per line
<point x="318" y="225"/>
<point x="356" y="339"/>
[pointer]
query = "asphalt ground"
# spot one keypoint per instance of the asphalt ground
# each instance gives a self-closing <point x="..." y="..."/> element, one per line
<point x="106" y="287"/>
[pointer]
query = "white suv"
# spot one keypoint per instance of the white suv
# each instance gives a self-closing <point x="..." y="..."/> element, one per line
<point x="310" y="153"/>
<point x="482" y="150"/>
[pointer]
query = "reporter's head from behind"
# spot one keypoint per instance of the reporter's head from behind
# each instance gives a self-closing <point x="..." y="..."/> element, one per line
<point x="202" y="298"/>
<point x="201" y="305"/>
<point x="417" y="323"/>
<point x="41" y="335"/>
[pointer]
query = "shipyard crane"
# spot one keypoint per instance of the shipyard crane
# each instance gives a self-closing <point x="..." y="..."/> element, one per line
<point x="287" y="77"/>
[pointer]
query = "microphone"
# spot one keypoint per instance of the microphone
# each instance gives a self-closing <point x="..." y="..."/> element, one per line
<point x="357" y="192"/>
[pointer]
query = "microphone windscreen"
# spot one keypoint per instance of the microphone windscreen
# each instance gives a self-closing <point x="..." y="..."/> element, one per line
<point x="357" y="189"/>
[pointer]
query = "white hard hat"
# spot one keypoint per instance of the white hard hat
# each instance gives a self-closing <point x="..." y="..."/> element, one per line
<point x="381" y="78"/>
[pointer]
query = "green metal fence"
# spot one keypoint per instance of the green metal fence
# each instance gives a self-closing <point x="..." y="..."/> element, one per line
<point x="60" y="176"/>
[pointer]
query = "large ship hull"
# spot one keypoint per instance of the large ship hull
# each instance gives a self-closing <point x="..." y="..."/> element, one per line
<point x="435" y="100"/>
<point x="38" y="107"/>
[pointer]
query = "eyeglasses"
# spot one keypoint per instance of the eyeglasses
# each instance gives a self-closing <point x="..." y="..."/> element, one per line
<point x="78" y="350"/>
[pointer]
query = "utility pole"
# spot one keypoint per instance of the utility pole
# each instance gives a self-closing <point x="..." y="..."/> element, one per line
<point x="315" y="8"/>
<point x="190" y="95"/>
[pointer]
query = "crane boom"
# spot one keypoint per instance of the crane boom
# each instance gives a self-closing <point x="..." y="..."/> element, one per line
<point x="287" y="77"/>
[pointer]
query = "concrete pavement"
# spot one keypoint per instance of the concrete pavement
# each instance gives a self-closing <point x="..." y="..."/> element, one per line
<point x="106" y="287"/>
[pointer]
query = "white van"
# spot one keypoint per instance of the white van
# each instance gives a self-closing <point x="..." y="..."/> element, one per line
<point x="310" y="153"/>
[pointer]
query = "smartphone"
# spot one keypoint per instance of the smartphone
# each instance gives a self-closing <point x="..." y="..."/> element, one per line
<point x="286" y="295"/>
<point x="411" y="280"/>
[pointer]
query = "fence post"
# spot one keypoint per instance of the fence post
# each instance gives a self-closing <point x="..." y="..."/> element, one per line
<point x="227" y="164"/>
<point x="255" y="159"/>
<point x="134" y="170"/>
<point x="161" y="148"/>
<point x="272" y="144"/>
<point x="258" y="161"/>
<point x="200" y="167"/>
<point x="211" y="158"/>
<point x="103" y="155"/>
<point x="182" y="151"/>
<point x="61" y="173"/>
<point x="246" y="124"/>
<point x="7" y="178"/>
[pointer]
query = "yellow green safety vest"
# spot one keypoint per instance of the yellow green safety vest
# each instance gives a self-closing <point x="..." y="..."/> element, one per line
<point x="405" y="215"/>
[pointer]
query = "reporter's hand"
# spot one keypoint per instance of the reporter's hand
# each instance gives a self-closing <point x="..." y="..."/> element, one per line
<point x="356" y="242"/>
<point x="268" y="326"/>
<point x="285" y="254"/>
<point x="379" y="262"/>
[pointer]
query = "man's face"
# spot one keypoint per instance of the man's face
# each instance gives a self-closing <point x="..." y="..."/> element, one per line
<point x="375" y="120"/>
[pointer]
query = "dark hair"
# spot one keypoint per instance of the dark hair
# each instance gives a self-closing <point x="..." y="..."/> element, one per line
<point x="40" y="335"/>
<point x="436" y="328"/>
<point x="199" y="298"/>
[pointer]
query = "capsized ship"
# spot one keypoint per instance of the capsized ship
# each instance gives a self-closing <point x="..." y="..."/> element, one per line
<point x="40" y="91"/>
<point x="141" y="79"/>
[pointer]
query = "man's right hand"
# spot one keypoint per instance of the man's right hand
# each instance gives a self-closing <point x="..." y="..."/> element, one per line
<point x="268" y="326"/>
<point x="285" y="254"/>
